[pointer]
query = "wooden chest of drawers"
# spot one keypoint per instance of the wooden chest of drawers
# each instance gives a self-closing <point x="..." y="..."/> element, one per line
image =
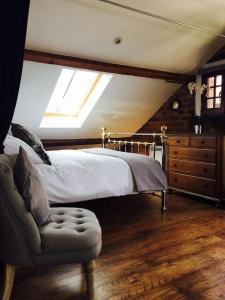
<point x="195" y="165"/>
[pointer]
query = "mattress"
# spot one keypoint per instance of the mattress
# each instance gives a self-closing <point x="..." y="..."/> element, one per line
<point x="77" y="175"/>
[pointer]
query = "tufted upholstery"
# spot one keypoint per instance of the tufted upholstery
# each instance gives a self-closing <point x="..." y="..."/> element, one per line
<point x="73" y="236"/>
<point x="71" y="229"/>
<point x="19" y="235"/>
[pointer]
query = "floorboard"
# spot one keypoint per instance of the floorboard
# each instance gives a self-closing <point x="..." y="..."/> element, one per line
<point x="146" y="255"/>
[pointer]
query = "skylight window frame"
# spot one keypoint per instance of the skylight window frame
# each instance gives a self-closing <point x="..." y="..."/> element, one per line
<point x="75" y="120"/>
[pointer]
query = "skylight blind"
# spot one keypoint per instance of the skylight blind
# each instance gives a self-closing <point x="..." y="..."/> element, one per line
<point x="71" y="92"/>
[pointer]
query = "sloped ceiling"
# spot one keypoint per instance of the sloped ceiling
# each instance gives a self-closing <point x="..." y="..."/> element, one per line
<point x="219" y="55"/>
<point x="87" y="28"/>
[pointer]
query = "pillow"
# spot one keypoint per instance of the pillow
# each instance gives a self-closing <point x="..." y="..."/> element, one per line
<point x="32" y="140"/>
<point x="12" y="146"/>
<point x="30" y="187"/>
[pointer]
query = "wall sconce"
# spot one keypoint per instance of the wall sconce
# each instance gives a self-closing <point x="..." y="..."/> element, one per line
<point x="193" y="87"/>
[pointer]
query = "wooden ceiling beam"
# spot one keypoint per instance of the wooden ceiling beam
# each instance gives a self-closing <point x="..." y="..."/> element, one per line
<point x="81" y="63"/>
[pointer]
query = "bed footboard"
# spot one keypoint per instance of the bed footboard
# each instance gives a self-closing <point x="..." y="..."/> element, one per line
<point x="109" y="140"/>
<point x="154" y="142"/>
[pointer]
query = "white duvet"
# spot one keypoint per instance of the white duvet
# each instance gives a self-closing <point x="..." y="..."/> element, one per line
<point x="77" y="176"/>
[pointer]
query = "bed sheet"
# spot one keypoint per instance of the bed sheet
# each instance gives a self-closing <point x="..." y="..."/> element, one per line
<point x="78" y="176"/>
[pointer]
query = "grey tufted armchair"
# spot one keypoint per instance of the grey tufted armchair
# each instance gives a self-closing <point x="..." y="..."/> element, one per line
<point x="73" y="236"/>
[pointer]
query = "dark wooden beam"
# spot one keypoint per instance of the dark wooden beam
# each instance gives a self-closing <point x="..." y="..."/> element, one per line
<point x="81" y="63"/>
<point x="74" y="142"/>
<point x="70" y="142"/>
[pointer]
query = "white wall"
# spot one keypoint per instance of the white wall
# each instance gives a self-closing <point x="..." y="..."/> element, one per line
<point x="126" y="104"/>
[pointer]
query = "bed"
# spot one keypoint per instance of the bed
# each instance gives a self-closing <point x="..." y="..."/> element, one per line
<point x="85" y="174"/>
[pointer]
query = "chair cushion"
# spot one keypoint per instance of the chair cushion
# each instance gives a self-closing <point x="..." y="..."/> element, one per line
<point x="71" y="229"/>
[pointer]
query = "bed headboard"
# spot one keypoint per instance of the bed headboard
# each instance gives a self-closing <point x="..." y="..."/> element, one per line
<point x="125" y="141"/>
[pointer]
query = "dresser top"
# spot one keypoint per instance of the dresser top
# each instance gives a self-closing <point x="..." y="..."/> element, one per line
<point x="192" y="134"/>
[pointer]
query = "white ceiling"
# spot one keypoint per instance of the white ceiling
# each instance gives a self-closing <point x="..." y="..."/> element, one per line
<point x="87" y="28"/>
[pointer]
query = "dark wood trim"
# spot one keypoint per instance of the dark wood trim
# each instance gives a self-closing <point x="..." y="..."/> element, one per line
<point x="81" y="63"/>
<point x="74" y="142"/>
<point x="215" y="69"/>
<point x="219" y="171"/>
<point x="70" y="142"/>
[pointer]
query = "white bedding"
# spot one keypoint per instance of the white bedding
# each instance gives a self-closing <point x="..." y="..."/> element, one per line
<point x="77" y="176"/>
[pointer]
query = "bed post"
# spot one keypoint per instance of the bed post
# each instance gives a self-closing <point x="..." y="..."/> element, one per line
<point x="164" y="200"/>
<point x="164" y="165"/>
<point x="108" y="140"/>
<point x="154" y="144"/>
<point x="103" y="136"/>
<point x="163" y="140"/>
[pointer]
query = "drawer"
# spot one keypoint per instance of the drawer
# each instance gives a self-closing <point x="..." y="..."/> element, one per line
<point x="207" y="170"/>
<point x="193" y="184"/>
<point x="203" y="142"/>
<point x="178" y="140"/>
<point x="206" y="155"/>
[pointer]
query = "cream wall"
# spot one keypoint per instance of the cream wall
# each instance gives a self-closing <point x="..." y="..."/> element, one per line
<point x="125" y="105"/>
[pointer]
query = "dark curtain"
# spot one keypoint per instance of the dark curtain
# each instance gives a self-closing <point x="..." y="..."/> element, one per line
<point x="13" y="25"/>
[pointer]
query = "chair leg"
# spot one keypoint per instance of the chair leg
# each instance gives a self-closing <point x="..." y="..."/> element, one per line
<point x="89" y="268"/>
<point x="9" y="274"/>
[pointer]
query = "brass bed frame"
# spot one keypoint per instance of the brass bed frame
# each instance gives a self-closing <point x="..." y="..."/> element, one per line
<point x="110" y="140"/>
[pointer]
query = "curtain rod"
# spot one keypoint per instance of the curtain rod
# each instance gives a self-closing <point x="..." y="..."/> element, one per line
<point x="161" y="18"/>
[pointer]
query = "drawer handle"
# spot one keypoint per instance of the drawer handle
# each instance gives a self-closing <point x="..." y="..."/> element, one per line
<point x="205" y="186"/>
<point x="205" y="170"/>
<point x="205" y="155"/>
<point x="178" y="141"/>
<point x="175" y="152"/>
<point x="175" y="179"/>
<point x="175" y="165"/>
<point x="202" y="142"/>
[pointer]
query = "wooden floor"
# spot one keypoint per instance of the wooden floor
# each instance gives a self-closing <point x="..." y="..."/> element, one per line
<point x="145" y="255"/>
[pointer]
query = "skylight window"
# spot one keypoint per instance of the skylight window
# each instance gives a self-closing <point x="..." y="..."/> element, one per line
<point x="75" y="94"/>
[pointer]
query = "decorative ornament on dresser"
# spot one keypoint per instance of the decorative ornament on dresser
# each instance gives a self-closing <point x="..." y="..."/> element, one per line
<point x="198" y="122"/>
